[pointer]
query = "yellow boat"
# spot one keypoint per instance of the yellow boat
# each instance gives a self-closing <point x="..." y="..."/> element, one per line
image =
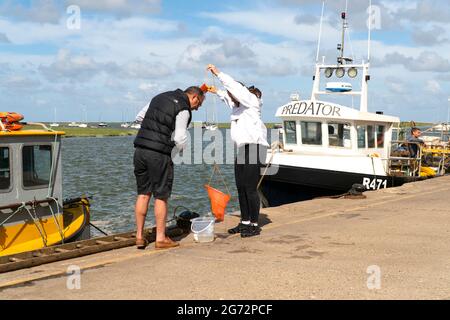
<point x="33" y="214"/>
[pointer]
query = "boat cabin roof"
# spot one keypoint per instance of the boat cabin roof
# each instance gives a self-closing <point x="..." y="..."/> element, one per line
<point x="27" y="133"/>
<point x="329" y="111"/>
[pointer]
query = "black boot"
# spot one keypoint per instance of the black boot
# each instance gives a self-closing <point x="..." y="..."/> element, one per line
<point x="251" y="231"/>
<point x="238" y="229"/>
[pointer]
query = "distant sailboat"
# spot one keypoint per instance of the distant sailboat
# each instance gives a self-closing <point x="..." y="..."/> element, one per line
<point x="124" y="124"/>
<point x="101" y="123"/>
<point x="84" y="124"/>
<point x="211" y="126"/>
<point x="54" y="124"/>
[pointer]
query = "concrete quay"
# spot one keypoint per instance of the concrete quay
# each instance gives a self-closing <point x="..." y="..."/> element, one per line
<point x="392" y="245"/>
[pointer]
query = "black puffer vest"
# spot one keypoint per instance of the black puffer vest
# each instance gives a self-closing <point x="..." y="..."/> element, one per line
<point x="159" y="122"/>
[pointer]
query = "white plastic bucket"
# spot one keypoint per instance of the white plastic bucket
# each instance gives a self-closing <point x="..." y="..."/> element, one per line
<point x="203" y="229"/>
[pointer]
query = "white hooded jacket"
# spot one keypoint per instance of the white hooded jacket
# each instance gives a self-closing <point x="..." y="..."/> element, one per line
<point x="246" y="124"/>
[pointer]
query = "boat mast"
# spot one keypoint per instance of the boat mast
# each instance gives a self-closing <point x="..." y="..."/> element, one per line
<point x="320" y="32"/>
<point x="370" y="31"/>
<point x="342" y="45"/>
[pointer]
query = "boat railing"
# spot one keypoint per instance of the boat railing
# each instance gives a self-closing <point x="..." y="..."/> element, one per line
<point x="400" y="161"/>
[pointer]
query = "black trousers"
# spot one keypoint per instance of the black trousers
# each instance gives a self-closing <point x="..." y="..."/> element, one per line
<point x="247" y="170"/>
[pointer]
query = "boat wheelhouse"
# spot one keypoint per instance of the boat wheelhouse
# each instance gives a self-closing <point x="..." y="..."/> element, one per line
<point x="328" y="148"/>
<point x="33" y="214"/>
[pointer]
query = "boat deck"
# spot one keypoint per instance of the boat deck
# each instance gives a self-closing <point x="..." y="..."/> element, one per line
<point x="320" y="249"/>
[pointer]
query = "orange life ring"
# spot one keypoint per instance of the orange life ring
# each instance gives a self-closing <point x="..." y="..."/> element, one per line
<point x="14" y="126"/>
<point x="11" y="117"/>
<point x="10" y="121"/>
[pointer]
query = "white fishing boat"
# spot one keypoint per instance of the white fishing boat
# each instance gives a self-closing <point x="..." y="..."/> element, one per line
<point x="329" y="148"/>
<point x="135" y="126"/>
<point x="441" y="127"/>
<point x="211" y="127"/>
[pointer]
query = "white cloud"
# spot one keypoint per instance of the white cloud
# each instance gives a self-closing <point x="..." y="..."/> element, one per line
<point x="118" y="7"/>
<point x="432" y="86"/>
<point x="425" y="11"/>
<point x="122" y="57"/>
<point x="278" y="68"/>
<point x="431" y="37"/>
<point x="18" y="82"/>
<point x="396" y="85"/>
<point x="40" y="11"/>
<point x="274" y="21"/>
<point x="71" y="67"/>
<point x="427" y="61"/>
<point x="4" y="38"/>
<point x="139" y="69"/>
<point x="229" y="52"/>
<point x="148" y="86"/>
<point x="84" y="68"/>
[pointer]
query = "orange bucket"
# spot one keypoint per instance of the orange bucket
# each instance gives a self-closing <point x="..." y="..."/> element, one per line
<point x="219" y="202"/>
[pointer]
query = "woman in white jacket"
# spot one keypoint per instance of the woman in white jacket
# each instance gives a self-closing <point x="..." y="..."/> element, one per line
<point x="250" y="135"/>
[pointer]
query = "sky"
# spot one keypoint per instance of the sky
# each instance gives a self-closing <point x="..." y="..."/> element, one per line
<point x="103" y="60"/>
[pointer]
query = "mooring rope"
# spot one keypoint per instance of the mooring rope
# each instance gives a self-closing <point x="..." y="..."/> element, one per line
<point x="61" y="232"/>
<point x="13" y="214"/>
<point x="35" y="220"/>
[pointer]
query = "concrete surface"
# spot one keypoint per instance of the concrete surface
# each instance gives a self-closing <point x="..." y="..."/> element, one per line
<point x="321" y="249"/>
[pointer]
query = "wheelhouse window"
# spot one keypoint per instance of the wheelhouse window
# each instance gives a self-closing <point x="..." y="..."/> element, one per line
<point x="312" y="133"/>
<point x="380" y="136"/>
<point x="5" y="169"/>
<point x="361" y="137"/>
<point x="37" y="165"/>
<point x="290" y="129"/>
<point x="339" y="135"/>
<point x="371" y="136"/>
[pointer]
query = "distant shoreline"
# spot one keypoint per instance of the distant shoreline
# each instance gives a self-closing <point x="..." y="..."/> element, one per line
<point x="114" y="129"/>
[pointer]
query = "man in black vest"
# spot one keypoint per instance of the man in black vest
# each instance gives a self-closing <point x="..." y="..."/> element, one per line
<point x="163" y="129"/>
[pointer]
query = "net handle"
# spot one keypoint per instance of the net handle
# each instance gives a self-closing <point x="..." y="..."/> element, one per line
<point x="217" y="169"/>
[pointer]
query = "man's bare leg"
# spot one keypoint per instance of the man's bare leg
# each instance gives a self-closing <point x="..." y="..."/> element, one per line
<point x="141" y="209"/>
<point x="161" y="217"/>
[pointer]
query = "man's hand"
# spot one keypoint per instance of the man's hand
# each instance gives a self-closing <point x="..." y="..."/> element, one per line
<point x="212" y="89"/>
<point x="213" y="69"/>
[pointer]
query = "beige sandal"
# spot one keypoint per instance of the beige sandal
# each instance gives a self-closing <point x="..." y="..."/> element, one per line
<point x="141" y="244"/>
<point x="166" y="244"/>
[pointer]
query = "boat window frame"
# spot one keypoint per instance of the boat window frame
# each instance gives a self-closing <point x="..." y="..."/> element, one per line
<point x="384" y="135"/>
<point x="374" y="126"/>
<point x="11" y="176"/>
<point x="364" y="125"/>
<point x="349" y="124"/>
<point x="322" y="144"/>
<point x="296" y="133"/>
<point x="36" y="144"/>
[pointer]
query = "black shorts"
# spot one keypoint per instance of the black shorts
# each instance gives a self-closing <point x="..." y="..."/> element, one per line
<point x="154" y="173"/>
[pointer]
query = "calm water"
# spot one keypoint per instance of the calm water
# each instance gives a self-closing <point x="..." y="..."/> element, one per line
<point x="103" y="168"/>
